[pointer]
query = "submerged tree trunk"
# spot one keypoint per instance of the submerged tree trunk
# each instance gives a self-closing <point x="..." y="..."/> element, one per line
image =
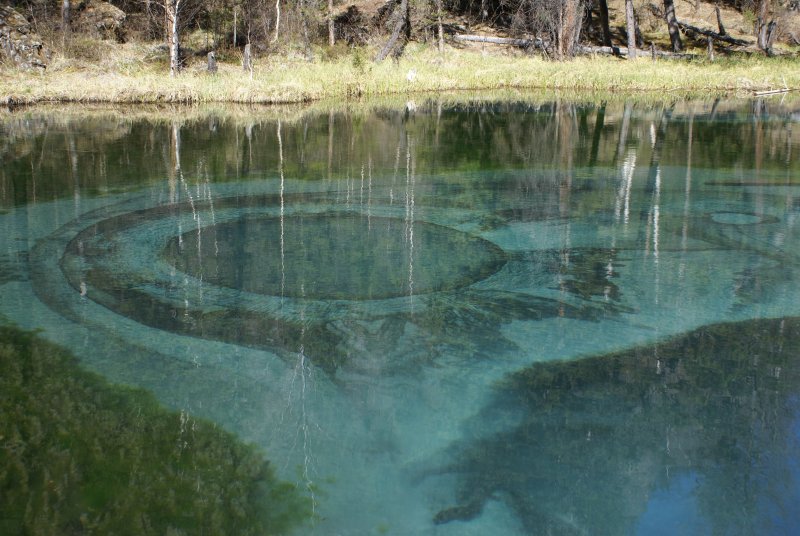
<point x="672" y="26"/>
<point x="630" y="24"/>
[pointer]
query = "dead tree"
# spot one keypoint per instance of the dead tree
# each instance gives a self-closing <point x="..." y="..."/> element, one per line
<point x="403" y="16"/>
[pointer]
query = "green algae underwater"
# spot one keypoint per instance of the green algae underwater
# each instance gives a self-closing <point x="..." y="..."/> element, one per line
<point x="82" y="456"/>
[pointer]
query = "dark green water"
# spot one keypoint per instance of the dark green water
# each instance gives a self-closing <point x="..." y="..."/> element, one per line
<point x="445" y="318"/>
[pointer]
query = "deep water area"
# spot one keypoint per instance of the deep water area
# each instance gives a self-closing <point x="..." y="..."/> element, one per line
<point x="456" y="316"/>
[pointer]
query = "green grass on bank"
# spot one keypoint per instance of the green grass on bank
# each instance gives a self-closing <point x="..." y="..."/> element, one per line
<point x="80" y="456"/>
<point x="127" y="78"/>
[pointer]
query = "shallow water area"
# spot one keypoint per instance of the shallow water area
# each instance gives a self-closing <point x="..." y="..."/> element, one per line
<point x="461" y="317"/>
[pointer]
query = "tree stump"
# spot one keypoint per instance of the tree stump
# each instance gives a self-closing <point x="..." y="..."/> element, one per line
<point x="212" y="62"/>
<point x="246" y="59"/>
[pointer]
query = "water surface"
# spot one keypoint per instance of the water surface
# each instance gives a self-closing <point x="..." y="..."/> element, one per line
<point x="451" y="317"/>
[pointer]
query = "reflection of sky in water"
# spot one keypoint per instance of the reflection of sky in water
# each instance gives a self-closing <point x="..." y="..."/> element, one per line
<point x="504" y="255"/>
<point x="779" y="509"/>
<point x="674" y="510"/>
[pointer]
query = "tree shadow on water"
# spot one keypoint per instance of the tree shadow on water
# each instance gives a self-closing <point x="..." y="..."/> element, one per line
<point x="599" y="443"/>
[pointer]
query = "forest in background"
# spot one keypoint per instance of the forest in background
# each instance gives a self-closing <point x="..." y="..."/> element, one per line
<point x="238" y="30"/>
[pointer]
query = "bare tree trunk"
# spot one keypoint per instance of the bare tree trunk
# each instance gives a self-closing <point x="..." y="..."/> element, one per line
<point x="331" y="29"/>
<point x="766" y="36"/>
<point x="560" y="32"/>
<point x="603" y="9"/>
<point x="439" y="31"/>
<point x="719" y="21"/>
<point x="235" y="25"/>
<point x="304" y="24"/>
<point x="149" y="11"/>
<point x="65" y="15"/>
<point x="277" y="20"/>
<point x="402" y="22"/>
<point x="672" y="26"/>
<point x="407" y="15"/>
<point x="173" y="8"/>
<point x="762" y="27"/>
<point x="247" y="64"/>
<point x="572" y="26"/>
<point x="630" y="23"/>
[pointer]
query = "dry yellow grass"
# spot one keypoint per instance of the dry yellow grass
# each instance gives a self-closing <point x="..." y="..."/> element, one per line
<point x="123" y="77"/>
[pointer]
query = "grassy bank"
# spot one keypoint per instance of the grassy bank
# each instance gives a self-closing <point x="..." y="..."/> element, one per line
<point x="127" y="78"/>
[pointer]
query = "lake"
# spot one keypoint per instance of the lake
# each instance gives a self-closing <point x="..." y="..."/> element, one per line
<point x="449" y="316"/>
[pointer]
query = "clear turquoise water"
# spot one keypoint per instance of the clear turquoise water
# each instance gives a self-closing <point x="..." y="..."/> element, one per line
<point x="574" y="318"/>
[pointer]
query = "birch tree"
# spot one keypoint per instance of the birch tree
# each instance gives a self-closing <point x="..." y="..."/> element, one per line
<point x="173" y="12"/>
<point x="177" y="14"/>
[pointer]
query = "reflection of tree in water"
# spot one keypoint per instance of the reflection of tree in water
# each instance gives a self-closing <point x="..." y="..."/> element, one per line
<point x="589" y="273"/>
<point x="596" y="437"/>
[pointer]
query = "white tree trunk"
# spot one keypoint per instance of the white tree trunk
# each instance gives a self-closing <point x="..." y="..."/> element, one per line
<point x="277" y="20"/>
<point x="173" y="11"/>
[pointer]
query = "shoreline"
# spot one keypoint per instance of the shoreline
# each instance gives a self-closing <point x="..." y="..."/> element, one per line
<point x="422" y="70"/>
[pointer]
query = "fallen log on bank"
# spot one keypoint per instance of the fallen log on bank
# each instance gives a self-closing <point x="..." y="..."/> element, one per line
<point x="522" y="43"/>
<point x="688" y="29"/>
<point x="623" y="52"/>
<point x="579" y="49"/>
